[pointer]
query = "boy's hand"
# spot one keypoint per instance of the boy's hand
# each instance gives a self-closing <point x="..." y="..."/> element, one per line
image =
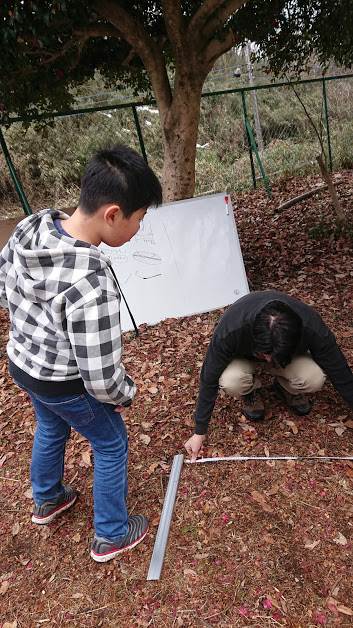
<point x="120" y="409"/>
<point x="194" y="444"/>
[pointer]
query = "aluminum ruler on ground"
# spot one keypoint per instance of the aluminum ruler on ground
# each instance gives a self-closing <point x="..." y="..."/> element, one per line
<point x="245" y="458"/>
<point x="160" y="544"/>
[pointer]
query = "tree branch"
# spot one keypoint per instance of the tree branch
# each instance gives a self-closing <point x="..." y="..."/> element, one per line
<point x="219" y="18"/>
<point x="129" y="26"/>
<point x="202" y="14"/>
<point x="98" y="30"/>
<point x="133" y="32"/>
<point x="77" y="40"/>
<point x="174" y="25"/>
<point x="217" y="47"/>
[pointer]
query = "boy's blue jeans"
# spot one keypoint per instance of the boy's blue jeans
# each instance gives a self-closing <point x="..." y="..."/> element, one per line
<point x="106" y="431"/>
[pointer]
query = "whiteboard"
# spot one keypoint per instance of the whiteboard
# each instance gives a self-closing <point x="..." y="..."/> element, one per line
<point x="186" y="259"/>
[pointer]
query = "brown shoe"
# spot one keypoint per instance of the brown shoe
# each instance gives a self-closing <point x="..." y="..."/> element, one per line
<point x="253" y="406"/>
<point x="299" y="403"/>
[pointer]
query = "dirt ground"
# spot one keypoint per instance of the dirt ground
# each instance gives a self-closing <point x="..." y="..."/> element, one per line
<point x="260" y="544"/>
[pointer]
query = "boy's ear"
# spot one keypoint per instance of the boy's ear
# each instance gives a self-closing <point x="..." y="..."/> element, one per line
<point x="112" y="213"/>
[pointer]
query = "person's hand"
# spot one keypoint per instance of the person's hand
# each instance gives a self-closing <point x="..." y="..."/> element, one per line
<point x="120" y="409"/>
<point x="194" y="444"/>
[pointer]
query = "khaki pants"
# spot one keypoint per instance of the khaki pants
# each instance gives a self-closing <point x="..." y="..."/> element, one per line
<point x="302" y="375"/>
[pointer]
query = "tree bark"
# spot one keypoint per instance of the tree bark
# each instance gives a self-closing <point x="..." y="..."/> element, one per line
<point x="178" y="175"/>
<point x="180" y="123"/>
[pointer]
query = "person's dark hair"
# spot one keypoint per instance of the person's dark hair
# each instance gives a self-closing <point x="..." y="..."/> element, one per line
<point x="120" y="175"/>
<point x="276" y="332"/>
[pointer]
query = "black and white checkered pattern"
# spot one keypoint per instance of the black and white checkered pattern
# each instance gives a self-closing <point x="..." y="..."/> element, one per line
<point x="64" y="309"/>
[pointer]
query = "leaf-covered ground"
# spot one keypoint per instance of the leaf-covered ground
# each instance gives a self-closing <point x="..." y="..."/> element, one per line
<point x="251" y="544"/>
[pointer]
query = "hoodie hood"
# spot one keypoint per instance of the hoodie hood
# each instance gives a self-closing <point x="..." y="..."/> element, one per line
<point x="47" y="262"/>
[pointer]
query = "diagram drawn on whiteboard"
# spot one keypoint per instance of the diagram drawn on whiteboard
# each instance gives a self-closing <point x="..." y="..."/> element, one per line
<point x="140" y="258"/>
<point x="168" y="270"/>
<point x="147" y="257"/>
<point x="145" y="234"/>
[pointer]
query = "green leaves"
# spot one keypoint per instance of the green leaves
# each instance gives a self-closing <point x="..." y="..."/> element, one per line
<point x="48" y="47"/>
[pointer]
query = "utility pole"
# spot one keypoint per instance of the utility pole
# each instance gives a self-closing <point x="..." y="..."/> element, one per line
<point x="258" y="130"/>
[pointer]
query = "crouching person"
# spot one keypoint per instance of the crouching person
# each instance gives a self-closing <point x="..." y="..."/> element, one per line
<point x="65" y="343"/>
<point x="269" y="331"/>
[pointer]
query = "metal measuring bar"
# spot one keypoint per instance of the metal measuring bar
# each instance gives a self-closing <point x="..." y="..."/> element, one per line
<point x="245" y="458"/>
<point x="160" y="544"/>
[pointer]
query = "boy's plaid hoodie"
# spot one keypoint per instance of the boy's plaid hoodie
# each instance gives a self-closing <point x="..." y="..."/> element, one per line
<point x="64" y="307"/>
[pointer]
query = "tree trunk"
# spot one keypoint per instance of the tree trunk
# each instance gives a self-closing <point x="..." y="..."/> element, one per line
<point x="180" y="130"/>
<point x="328" y="180"/>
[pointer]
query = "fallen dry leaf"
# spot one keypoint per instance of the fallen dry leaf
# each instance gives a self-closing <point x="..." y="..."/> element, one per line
<point x="190" y="572"/>
<point x="145" y="439"/>
<point x="311" y="545"/>
<point x="261" y="500"/>
<point x="344" y="610"/>
<point x="151" y="469"/>
<point x="15" y="529"/>
<point x="340" y="430"/>
<point x="340" y="539"/>
<point x="347" y="333"/>
<point x="320" y="618"/>
<point x="86" y="458"/>
<point x="268" y="538"/>
<point x="272" y="490"/>
<point x="292" y="426"/>
<point x="335" y="605"/>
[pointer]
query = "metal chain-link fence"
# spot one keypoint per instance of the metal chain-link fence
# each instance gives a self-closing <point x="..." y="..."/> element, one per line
<point x="281" y="140"/>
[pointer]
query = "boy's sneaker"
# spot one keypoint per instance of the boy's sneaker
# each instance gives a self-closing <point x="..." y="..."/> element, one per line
<point x="51" y="509"/>
<point x="103" y="550"/>
<point x="299" y="403"/>
<point x="253" y="406"/>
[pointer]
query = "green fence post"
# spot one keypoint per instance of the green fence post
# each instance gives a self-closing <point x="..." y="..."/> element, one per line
<point x="258" y="158"/>
<point x="139" y="133"/>
<point x="245" y="114"/>
<point x="324" y="94"/>
<point x="15" y="178"/>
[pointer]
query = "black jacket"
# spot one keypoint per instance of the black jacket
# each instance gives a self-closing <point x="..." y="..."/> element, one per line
<point x="232" y="338"/>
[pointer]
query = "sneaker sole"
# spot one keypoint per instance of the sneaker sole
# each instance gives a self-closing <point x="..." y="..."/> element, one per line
<point x="43" y="520"/>
<point x="103" y="558"/>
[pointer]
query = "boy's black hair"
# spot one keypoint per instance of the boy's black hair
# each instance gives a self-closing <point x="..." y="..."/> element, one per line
<point x="276" y="332"/>
<point x="118" y="174"/>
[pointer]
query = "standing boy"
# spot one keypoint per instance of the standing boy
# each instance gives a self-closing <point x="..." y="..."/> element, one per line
<point x="65" y="340"/>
